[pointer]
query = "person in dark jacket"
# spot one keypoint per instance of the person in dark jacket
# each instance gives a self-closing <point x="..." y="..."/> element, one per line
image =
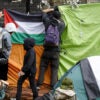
<point x="28" y="70"/>
<point x="5" y="48"/>
<point x="51" y="53"/>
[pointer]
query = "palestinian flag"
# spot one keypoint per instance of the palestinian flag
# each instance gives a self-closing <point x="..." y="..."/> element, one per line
<point x="27" y="26"/>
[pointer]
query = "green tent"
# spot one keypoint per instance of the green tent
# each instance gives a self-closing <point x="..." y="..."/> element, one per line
<point x="85" y="88"/>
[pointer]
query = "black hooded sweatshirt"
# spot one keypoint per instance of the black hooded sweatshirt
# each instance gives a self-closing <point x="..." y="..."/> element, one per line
<point x="29" y="64"/>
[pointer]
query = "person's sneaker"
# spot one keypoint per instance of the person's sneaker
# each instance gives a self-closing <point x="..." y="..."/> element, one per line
<point x="12" y="98"/>
<point x="38" y="88"/>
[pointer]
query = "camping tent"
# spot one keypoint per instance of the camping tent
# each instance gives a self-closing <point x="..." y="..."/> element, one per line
<point x="80" y="39"/>
<point x="86" y="78"/>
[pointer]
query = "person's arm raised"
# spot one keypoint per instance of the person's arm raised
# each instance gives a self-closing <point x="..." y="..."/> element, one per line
<point x="48" y="10"/>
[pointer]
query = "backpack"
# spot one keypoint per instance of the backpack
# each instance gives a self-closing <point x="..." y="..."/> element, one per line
<point x="52" y="36"/>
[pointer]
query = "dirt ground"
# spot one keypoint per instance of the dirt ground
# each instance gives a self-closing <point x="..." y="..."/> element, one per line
<point x="26" y="92"/>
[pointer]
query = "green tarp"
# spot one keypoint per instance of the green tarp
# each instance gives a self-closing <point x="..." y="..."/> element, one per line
<point x="81" y="37"/>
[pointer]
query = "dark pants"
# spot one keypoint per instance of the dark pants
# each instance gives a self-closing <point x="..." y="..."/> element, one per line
<point x="27" y="6"/>
<point x="32" y="85"/>
<point x="3" y="69"/>
<point x="52" y="58"/>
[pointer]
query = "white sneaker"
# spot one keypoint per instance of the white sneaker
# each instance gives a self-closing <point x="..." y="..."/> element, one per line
<point x="38" y="88"/>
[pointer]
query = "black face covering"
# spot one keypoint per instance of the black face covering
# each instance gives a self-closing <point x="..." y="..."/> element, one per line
<point x="28" y="43"/>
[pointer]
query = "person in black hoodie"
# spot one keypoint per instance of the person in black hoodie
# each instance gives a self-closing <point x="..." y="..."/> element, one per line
<point x="28" y="70"/>
<point x="51" y="53"/>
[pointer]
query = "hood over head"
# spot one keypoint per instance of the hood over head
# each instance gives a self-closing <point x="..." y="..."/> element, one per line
<point x="55" y="17"/>
<point x="29" y="43"/>
<point x="56" y="14"/>
<point x="56" y="8"/>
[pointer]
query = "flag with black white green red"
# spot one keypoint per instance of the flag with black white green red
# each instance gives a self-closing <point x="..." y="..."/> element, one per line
<point x="27" y="26"/>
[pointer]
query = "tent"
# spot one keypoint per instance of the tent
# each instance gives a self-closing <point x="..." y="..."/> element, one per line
<point x="86" y="88"/>
<point x="80" y="39"/>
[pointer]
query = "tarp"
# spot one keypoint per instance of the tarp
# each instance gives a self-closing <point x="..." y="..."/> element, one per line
<point x="80" y="39"/>
<point x="16" y="62"/>
<point x="90" y="81"/>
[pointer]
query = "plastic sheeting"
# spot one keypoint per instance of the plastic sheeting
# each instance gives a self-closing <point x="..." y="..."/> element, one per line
<point x="81" y="38"/>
